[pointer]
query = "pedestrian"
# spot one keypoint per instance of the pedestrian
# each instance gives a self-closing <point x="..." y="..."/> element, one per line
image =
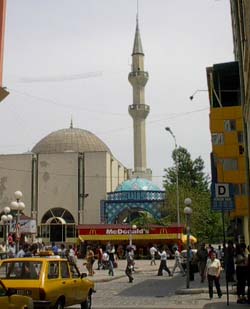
<point x="177" y="262"/>
<point x="241" y="262"/>
<point x="163" y="263"/>
<point x="111" y="260"/>
<point x="152" y="252"/>
<point x="229" y="266"/>
<point x="130" y="264"/>
<point x="90" y="259"/>
<point x="63" y="251"/>
<point x="213" y="270"/>
<point x="105" y="260"/>
<point x="11" y="251"/>
<point x="3" y="247"/>
<point x="72" y="255"/>
<point x="201" y="257"/>
<point x="21" y="252"/>
<point x="54" y="248"/>
<point x="99" y="254"/>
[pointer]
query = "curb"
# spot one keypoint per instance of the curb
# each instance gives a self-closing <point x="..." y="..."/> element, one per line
<point x="201" y="291"/>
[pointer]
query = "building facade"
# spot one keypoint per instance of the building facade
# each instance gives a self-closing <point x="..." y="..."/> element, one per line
<point x="63" y="180"/>
<point x="240" y="12"/>
<point x="228" y="158"/>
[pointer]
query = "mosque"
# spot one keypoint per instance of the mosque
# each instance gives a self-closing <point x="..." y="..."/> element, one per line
<point x="74" y="187"/>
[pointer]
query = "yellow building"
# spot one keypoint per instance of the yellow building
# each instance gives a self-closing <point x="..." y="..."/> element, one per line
<point x="228" y="160"/>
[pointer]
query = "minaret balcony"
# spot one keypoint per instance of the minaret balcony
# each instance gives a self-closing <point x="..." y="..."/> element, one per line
<point x="139" y="73"/>
<point x="138" y="78"/>
<point x="139" y="110"/>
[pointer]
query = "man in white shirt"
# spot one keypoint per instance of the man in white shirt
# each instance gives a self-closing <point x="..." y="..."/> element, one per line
<point x="163" y="264"/>
<point x="152" y="252"/>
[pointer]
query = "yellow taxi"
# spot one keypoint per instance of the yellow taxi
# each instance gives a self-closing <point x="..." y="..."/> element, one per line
<point x="50" y="281"/>
<point x="12" y="301"/>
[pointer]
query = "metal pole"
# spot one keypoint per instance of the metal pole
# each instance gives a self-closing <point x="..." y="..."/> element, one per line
<point x="7" y="234"/>
<point x="224" y="247"/>
<point x="188" y="251"/>
<point x="130" y="237"/>
<point x="17" y="232"/>
<point x="177" y="187"/>
<point x="177" y="177"/>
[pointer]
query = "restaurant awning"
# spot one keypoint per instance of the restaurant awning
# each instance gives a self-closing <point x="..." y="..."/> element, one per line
<point x="193" y="239"/>
<point x="127" y="237"/>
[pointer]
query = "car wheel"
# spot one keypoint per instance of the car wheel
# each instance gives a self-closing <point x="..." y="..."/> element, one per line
<point x="87" y="303"/>
<point x="59" y="304"/>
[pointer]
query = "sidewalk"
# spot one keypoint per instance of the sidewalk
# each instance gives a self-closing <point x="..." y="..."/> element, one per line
<point x="195" y="297"/>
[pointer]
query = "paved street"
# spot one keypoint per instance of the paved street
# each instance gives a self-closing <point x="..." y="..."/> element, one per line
<point x="151" y="291"/>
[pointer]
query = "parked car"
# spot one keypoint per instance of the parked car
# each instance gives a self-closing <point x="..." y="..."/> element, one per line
<point x="8" y="300"/>
<point x="48" y="280"/>
<point x="184" y="260"/>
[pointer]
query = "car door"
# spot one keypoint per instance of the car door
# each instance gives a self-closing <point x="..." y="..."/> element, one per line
<point x="69" y="284"/>
<point x="81" y="286"/>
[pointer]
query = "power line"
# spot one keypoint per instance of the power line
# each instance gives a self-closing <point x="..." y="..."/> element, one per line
<point x="60" y="78"/>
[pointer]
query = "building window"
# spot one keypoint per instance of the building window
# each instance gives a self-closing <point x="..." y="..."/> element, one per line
<point x="230" y="165"/>
<point x="230" y="125"/>
<point x="236" y="189"/>
<point x="240" y="137"/>
<point x="218" y="139"/>
<point x="243" y="189"/>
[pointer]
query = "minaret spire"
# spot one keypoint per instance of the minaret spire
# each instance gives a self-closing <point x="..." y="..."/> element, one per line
<point x="139" y="110"/>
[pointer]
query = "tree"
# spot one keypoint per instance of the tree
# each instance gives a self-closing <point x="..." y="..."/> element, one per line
<point x="194" y="183"/>
<point x="190" y="173"/>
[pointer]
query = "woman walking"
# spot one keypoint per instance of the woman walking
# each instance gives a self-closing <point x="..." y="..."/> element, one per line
<point x="213" y="269"/>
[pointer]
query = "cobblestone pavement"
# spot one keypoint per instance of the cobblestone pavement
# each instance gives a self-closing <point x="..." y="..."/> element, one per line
<point x="150" y="291"/>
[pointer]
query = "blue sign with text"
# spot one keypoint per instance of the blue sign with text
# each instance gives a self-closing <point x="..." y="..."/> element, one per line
<point x="222" y="197"/>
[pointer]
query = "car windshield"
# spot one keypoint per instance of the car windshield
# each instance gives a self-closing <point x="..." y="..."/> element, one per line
<point x="20" y="270"/>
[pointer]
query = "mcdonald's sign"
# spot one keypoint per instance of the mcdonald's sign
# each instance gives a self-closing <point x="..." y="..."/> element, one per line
<point x="92" y="232"/>
<point x="163" y="231"/>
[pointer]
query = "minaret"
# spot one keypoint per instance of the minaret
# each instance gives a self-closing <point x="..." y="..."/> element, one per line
<point x="139" y="110"/>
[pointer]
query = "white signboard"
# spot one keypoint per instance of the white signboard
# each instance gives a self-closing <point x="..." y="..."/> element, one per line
<point x="222" y="190"/>
<point x="26" y="226"/>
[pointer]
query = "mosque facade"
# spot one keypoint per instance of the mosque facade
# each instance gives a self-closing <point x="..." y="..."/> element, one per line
<point x="71" y="181"/>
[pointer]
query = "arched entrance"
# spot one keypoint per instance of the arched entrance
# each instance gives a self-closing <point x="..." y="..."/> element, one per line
<point x="58" y="225"/>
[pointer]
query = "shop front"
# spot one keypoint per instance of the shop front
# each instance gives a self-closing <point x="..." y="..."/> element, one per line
<point x="122" y="235"/>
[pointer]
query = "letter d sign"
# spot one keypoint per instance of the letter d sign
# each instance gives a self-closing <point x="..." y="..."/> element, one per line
<point x="222" y="190"/>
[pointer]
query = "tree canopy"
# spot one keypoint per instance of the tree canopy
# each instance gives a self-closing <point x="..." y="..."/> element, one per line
<point x="193" y="183"/>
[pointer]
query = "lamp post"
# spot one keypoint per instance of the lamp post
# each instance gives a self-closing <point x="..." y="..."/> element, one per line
<point x="188" y="212"/>
<point x="17" y="206"/>
<point x="168" y="129"/>
<point x="133" y="228"/>
<point x="6" y="219"/>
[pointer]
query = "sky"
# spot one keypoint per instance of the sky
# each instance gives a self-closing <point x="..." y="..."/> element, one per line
<point x="70" y="59"/>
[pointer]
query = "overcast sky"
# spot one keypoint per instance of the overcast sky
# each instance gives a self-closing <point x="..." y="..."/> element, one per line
<point x="68" y="58"/>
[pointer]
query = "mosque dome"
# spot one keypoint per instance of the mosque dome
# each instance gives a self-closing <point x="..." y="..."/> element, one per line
<point x="70" y="140"/>
<point x="137" y="184"/>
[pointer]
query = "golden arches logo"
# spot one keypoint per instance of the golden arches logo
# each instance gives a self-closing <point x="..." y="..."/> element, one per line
<point x="163" y="231"/>
<point x="92" y="232"/>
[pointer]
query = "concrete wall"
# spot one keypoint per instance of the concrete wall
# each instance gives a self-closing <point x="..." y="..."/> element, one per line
<point x="96" y="175"/>
<point x="58" y="183"/>
<point x="15" y="175"/>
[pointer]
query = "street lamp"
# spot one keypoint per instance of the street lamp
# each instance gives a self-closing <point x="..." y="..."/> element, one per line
<point x="17" y="206"/>
<point x="133" y="228"/>
<point x="168" y="129"/>
<point x="188" y="212"/>
<point x="6" y="219"/>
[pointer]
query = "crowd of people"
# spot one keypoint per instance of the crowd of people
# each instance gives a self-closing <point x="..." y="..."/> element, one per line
<point x="234" y="260"/>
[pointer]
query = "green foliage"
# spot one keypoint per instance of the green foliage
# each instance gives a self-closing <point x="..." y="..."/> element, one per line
<point x="206" y="225"/>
